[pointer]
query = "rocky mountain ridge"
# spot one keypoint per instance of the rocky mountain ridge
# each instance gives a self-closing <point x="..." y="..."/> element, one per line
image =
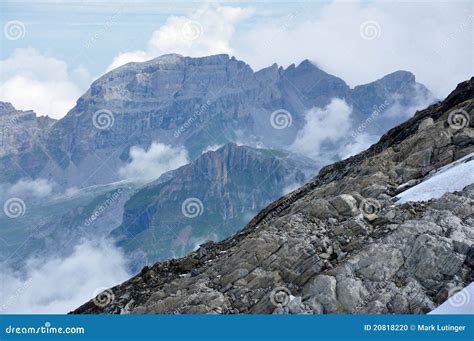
<point x="208" y="199"/>
<point x="340" y="243"/>
<point x="196" y="103"/>
<point x="20" y="129"/>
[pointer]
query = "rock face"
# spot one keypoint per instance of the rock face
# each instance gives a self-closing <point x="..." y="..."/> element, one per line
<point x="19" y="131"/>
<point x="208" y="199"/>
<point x="330" y="248"/>
<point x="196" y="103"/>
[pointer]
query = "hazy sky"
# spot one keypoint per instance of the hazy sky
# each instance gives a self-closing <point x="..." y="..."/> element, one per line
<point x="52" y="50"/>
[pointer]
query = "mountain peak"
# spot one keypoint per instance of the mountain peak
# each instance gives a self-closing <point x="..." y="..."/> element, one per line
<point x="6" y="108"/>
<point x="399" y="76"/>
<point x="344" y="229"/>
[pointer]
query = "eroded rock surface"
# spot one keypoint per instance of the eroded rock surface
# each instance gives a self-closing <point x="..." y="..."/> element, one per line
<point x="339" y="244"/>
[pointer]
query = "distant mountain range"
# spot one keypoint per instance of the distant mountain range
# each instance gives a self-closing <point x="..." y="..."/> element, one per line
<point x="235" y="127"/>
<point x="195" y="103"/>
<point x="344" y="243"/>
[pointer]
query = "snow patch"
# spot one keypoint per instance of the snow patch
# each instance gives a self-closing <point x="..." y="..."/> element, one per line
<point x="450" y="178"/>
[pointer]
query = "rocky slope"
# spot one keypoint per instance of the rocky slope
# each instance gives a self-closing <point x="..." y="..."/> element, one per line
<point x="20" y="130"/>
<point x="338" y="244"/>
<point x="195" y="103"/>
<point x="208" y="199"/>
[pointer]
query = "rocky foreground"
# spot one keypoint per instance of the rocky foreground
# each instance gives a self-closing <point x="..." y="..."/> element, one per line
<point x="339" y="244"/>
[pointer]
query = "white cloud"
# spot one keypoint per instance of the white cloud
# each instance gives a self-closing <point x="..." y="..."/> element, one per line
<point x="57" y="286"/>
<point x="31" y="80"/>
<point x="431" y="40"/>
<point x="150" y="164"/>
<point x="419" y="101"/>
<point x="330" y="123"/>
<point x="356" y="145"/>
<point x="207" y="31"/>
<point x="38" y="188"/>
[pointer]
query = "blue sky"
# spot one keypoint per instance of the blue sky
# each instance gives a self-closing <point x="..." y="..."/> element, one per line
<point x="64" y="45"/>
<point x="62" y="28"/>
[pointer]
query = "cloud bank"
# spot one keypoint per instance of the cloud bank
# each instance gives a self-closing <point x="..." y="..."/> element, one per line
<point x="31" y="80"/>
<point x="150" y="164"/>
<point x="363" y="41"/>
<point x="207" y="31"/>
<point x="59" y="285"/>
<point x="328" y="124"/>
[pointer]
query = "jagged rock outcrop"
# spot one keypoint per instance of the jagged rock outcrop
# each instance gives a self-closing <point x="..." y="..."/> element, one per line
<point x="339" y="244"/>
<point x="19" y="129"/>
